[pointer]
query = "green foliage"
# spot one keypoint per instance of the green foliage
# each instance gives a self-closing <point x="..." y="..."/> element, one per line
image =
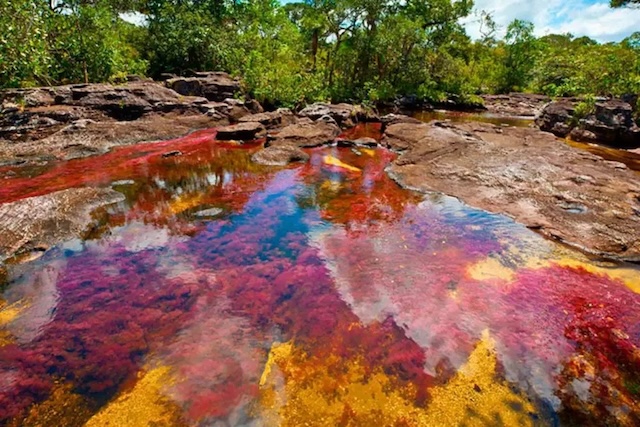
<point x="584" y="108"/>
<point x="341" y="50"/>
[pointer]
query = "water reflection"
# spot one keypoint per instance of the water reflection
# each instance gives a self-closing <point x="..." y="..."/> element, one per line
<point x="318" y="294"/>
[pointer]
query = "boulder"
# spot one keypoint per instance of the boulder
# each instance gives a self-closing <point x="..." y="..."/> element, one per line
<point x="242" y="131"/>
<point x="556" y="117"/>
<point x="612" y="123"/>
<point x="280" y="117"/>
<point x="302" y="134"/>
<point x="215" y="86"/>
<point x="345" y="115"/>
<point x="280" y="155"/>
<point x="360" y="142"/>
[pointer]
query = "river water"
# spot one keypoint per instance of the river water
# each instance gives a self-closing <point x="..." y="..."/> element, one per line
<point x="223" y="293"/>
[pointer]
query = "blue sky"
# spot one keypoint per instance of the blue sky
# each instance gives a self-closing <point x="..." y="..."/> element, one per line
<point x="593" y="18"/>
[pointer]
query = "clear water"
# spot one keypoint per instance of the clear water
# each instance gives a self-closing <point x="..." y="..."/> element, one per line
<point x="225" y="293"/>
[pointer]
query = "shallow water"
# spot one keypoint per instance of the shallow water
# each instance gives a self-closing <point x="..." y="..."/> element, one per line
<point x="225" y="293"/>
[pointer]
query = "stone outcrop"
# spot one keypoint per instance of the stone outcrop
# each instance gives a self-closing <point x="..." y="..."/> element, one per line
<point x="563" y="192"/>
<point x="516" y="104"/>
<point x="280" y="155"/>
<point x="305" y="134"/>
<point x="272" y="119"/>
<point x="345" y="115"/>
<point x="612" y="122"/>
<point x="215" y="86"/>
<point x="245" y="131"/>
<point x="36" y="223"/>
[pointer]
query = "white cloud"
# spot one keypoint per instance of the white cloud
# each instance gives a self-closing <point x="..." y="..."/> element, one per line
<point x="594" y="19"/>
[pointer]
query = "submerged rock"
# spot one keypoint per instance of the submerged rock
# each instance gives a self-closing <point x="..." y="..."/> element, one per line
<point x="563" y="192"/>
<point x="280" y="155"/>
<point x="34" y="223"/>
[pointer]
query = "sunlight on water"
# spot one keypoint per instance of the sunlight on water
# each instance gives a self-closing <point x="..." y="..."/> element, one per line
<point x="221" y="292"/>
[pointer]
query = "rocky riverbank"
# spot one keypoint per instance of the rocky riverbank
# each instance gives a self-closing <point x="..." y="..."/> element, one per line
<point x="563" y="192"/>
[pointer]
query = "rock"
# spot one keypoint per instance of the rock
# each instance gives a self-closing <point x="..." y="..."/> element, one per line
<point x="78" y="125"/>
<point x="280" y="117"/>
<point x="392" y="119"/>
<point x="174" y="153"/>
<point x="245" y="131"/>
<point x="208" y="213"/>
<point x="528" y="175"/>
<point x="360" y="142"/>
<point x="43" y="221"/>
<point x="305" y="134"/>
<point x="583" y="135"/>
<point x="344" y="114"/>
<point x="611" y="123"/>
<point x="253" y="106"/>
<point x="516" y="104"/>
<point x="555" y="118"/>
<point x="216" y="86"/>
<point x="280" y="155"/>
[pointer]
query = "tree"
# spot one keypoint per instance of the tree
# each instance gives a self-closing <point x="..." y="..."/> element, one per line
<point x="521" y="49"/>
<point x="621" y="3"/>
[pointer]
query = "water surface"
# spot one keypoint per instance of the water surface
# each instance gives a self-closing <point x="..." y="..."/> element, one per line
<point x="221" y="292"/>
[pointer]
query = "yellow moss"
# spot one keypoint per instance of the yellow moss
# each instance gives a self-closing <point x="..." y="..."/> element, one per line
<point x="298" y="390"/>
<point x="7" y="314"/>
<point x="332" y="161"/>
<point x="490" y="268"/>
<point x="368" y="151"/>
<point x="62" y="408"/>
<point x="144" y="405"/>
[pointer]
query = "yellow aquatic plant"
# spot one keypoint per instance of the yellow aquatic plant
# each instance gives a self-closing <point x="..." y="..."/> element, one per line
<point x="333" y="161"/>
<point x="298" y="390"/>
<point x="144" y="405"/>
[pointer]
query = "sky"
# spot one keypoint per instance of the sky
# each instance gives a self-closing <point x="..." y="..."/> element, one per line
<point x="592" y="18"/>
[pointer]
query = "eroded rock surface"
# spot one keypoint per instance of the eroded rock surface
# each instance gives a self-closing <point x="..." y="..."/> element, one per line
<point x="215" y="86"/>
<point x="271" y="119"/>
<point x="36" y="223"/>
<point x="242" y="131"/>
<point x="305" y="134"/>
<point x="563" y="192"/>
<point x="612" y="122"/>
<point x="280" y="155"/>
<point x="345" y="115"/>
<point x="515" y="104"/>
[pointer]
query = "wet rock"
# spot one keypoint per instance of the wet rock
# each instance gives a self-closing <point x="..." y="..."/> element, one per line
<point x="527" y="174"/>
<point x="174" y="153"/>
<point x="280" y="155"/>
<point x="583" y="135"/>
<point x="345" y="115"/>
<point x="305" y="134"/>
<point x="360" y="142"/>
<point x="245" y="131"/>
<point x="215" y="86"/>
<point x="43" y="221"/>
<point x="280" y="117"/>
<point x="208" y="213"/>
<point x="556" y="118"/>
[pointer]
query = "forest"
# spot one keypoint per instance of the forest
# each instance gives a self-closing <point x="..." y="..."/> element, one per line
<point x="288" y="54"/>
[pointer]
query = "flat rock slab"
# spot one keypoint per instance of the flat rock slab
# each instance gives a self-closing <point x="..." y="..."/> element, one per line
<point x="313" y="134"/>
<point x="563" y="192"/>
<point x="242" y="131"/>
<point x="280" y="117"/>
<point x="280" y="155"/>
<point x="36" y="223"/>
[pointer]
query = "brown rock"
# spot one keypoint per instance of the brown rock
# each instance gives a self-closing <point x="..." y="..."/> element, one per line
<point x="280" y="155"/>
<point x="280" y="117"/>
<point x="242" y="131"/>
<point x="344" y="114"/>
<point x="37" y="223"/>
<point x="215" y="86"/>
<point x="303" y="134"/>
<point x="529" y="175"/>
